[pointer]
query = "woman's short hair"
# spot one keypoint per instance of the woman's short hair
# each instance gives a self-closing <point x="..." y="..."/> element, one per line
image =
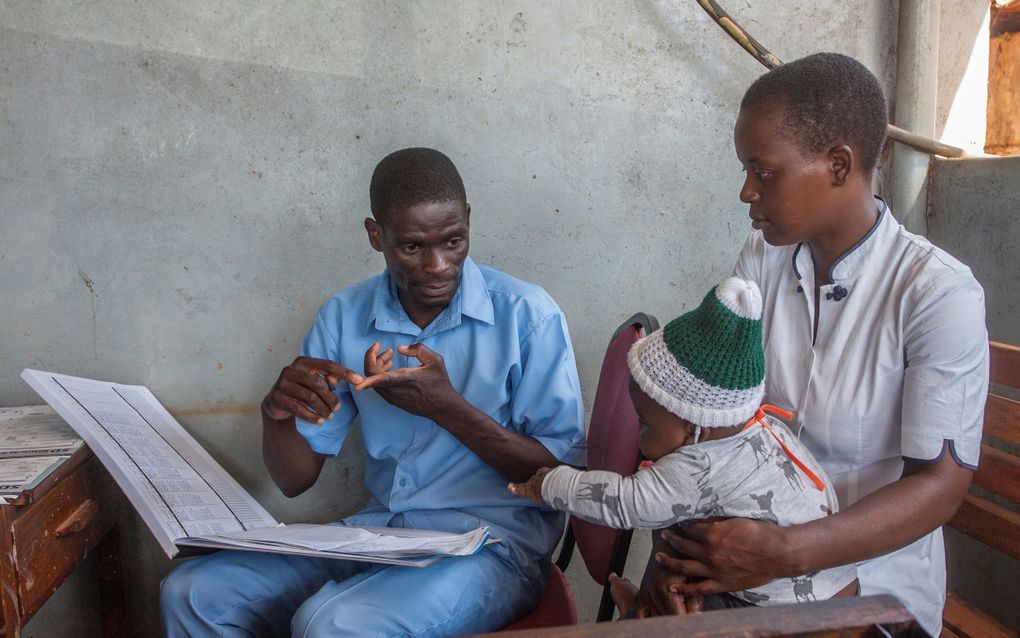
<point x="828" y="98"/>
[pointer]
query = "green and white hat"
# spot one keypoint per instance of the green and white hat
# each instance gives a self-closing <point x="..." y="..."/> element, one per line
<point x="707" y="366"/>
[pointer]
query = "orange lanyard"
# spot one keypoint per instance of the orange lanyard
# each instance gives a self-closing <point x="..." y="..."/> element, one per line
<point x="759" y="417"/>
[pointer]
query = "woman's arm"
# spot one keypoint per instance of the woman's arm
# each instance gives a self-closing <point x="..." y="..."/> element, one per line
<point x="737" y="554"/>
<point x="944" y="388"/>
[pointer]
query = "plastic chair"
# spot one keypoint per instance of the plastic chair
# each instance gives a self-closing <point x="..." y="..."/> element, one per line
<point x="612" y="445"/>
<point x="555" y="607"/>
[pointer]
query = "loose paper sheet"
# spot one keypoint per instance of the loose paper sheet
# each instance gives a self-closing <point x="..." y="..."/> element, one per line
<point x="35" y="430"/>
<point x="22" y="473"/>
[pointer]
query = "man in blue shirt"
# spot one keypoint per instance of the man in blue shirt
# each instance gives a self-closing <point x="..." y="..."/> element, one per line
<point x="469" y="382"/>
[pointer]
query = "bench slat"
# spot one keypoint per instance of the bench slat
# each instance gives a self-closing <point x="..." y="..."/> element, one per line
<point x="989" y="523"/>
<point x="999" y="473"/>
<point x="1002" y="419"/>
<point x="1004" y="363"/>
<point x="965" y="621"/>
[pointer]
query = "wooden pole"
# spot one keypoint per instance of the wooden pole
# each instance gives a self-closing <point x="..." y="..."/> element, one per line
<point x="770" y="61"/>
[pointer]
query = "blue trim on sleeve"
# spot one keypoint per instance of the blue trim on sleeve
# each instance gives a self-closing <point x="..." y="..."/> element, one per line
<point x="946" y="443"/>
<point x="956" y="457"/>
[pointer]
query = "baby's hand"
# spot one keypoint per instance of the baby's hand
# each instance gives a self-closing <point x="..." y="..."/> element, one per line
<point x="533" y="488"/>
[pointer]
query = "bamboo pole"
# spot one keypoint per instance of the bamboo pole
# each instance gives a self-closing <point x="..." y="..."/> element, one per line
<point x="770" y="61"/>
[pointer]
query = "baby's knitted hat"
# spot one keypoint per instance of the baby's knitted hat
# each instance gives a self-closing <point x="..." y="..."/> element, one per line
<point x="707" y="366"/>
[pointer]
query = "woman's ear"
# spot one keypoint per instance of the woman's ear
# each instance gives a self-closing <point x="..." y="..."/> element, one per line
<point x="841" y="163"/>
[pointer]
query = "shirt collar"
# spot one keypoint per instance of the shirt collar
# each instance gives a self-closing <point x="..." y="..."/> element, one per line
<point x="848" y="265"/>
<point x="471" y="299"/>
<point x="477" y="303"/>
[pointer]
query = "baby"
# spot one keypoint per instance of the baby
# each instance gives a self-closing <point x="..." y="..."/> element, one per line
<point x="697" y="386"/>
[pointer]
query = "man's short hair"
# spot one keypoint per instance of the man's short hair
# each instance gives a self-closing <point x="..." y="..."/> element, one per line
<point x="414" y="176"/>
<point x="828" y="98"/>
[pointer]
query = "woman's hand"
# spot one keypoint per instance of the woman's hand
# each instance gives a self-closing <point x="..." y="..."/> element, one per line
<point x="739" y="553"/>
<point x="635" y="603"/>
<point x="725" y="555"/>
<point x="656" y="596"/>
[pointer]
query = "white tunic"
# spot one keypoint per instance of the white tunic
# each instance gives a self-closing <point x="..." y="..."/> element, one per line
<point x="899" y="367"/>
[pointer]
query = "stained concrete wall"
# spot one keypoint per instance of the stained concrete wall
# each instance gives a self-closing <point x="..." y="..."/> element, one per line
<point x="973" y="214"/>
<point x="181" y="184"/>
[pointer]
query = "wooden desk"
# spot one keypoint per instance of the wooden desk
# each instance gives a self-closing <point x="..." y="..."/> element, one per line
<point x="48" y="530"/>
<point x="856" y="617"/>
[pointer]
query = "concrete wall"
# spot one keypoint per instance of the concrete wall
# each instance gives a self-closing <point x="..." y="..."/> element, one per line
<point x="973" y="210"/>
<point x="181" y="184"/>
<point x="973" y="215"/>
<point x="962" y="96"/>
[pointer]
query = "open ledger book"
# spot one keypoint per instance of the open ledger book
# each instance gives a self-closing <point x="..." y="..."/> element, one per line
<point x="187" y="499"/>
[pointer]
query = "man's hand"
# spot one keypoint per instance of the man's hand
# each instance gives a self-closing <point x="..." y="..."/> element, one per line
<point x="424" y="390"/>
<point x="376" y="362"/>
<point x="532" y="488"/>
<point x="724" y="555"/>
<point x="304" y="390"/>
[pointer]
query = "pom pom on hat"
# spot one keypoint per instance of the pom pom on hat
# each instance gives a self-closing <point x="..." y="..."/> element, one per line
<point x="708" y="365"/>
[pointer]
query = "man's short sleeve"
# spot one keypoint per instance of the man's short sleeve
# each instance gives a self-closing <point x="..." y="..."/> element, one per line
<point x="323" y="342"/>
<point x="547" y="401"/>
<point x="946" y="378"/>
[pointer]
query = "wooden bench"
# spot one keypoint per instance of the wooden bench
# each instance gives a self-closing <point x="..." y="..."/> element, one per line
<point x="853" y="617"/>
<point x="991" y="511"/>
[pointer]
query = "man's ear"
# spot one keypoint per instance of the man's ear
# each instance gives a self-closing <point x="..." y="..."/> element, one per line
<point x="841" y="163"/>
<point x="374" y="231"/>
<point x="467" y="215"/>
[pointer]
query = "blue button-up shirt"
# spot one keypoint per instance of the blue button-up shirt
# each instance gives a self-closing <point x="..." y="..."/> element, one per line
<point x="507" y="351"/>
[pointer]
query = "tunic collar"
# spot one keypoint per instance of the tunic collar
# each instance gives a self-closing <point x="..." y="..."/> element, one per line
<point x="848" y="266"/>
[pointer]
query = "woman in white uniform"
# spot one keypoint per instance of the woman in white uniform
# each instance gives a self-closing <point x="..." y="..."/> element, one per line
<point x="874" y="337"/>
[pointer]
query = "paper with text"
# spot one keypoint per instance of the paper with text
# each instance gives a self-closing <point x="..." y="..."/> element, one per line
<point x="35" y="430"/>
<point x="173" y="483"/>
<point x="21" y="473"/>
<point x="186" y="498"/>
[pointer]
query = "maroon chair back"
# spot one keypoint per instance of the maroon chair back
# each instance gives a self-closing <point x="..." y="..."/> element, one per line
<point x="612" y="444"/>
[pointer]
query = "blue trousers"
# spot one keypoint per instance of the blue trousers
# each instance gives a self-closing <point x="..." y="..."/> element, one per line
<point x="252" y="594"/>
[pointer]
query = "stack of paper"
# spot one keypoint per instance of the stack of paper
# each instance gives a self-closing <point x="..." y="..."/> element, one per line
<point x="186" y="498"/>
<point x="383" y="544"/>
<point x="34" y="440"/>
